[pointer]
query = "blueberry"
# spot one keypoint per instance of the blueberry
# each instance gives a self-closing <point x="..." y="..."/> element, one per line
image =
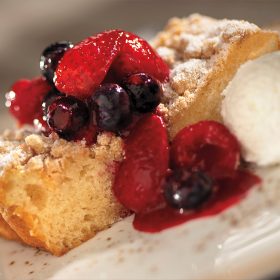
<point x="187" y="190"/>
<point x="112" y="107"/>
<point x="67" y="116"/>
<point x="51" y="96"/>
<point x="144" y="92"/>
<point x="51" y="56"/>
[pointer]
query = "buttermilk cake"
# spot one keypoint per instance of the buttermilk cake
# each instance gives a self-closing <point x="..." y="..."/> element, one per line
<point x="55" y="193"/>
<point x="58" y="192"/>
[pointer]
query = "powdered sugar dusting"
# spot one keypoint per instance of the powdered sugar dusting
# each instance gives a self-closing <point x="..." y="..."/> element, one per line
<point x="188" y="75"/>
<point x="191" y="47"/>
<point x="169" y="55"/>
<point x="5" y="160"/>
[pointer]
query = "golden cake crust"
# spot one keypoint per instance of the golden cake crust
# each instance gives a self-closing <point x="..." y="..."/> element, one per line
<point x="6" y="231"/>
<point x="204" y="54"/>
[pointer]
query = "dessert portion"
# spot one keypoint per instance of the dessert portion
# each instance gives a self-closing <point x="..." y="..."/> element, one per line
<point x="56" y="180"/>
<point x="204" y="54"/>
<point x="111" y="133"/>
<point x="251" y="109"/>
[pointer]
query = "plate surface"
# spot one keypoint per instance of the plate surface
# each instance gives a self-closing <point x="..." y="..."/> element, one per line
<point x="237" y="244"/>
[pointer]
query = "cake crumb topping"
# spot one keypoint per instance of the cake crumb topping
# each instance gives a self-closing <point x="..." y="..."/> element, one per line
<point x="30" y="150"/>
<point x="191" y="47"/>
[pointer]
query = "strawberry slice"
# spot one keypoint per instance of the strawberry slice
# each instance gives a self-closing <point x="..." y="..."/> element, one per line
<point x="138" y="183"/>
<point x="25" y="99"/>
<point x="84" y="67"/>
<point x="136" y="56"/>
<point x="206" y="146"/>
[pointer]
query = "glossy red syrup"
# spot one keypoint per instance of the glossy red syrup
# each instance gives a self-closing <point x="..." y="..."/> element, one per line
<point x="229" y="192"/>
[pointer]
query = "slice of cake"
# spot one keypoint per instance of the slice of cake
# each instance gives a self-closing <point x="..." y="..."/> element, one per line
<point x="204" y="54"/>
<point x="56" y="194"/>
<point x="56" y="190"/>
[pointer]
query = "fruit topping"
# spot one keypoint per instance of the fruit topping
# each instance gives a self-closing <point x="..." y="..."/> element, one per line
<point x="187" y="190"/>
<point x="92" y="71"/>
<point x="205" y="178"/>
<point x="139" y="180"/>
<point x="52" y="95"/>
<point x="136" y="56"/>
<point x="144" y="92"/>
<point x="83" y="68"/>
<point x="100" y="84"/>
<point x="231" y="191"/>
<point x="111" y="105"/>
<point x="51" y="56"/>
<point x="206" y="146"/>
<point x="67" y="116"/>
<point x="87" y="134"/>
<point x="25" y="99"/>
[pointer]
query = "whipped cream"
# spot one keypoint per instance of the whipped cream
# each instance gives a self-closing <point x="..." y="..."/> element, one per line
<point x="251" y="109"/>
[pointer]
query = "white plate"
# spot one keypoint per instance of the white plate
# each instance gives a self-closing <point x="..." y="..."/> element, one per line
<point x="241" y="243"/>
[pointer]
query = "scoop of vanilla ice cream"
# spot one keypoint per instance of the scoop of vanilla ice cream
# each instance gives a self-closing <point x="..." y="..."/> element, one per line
<point x="251" y="109"/>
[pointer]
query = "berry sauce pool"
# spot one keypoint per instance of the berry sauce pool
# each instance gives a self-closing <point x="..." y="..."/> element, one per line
<point x="229" y="193"/>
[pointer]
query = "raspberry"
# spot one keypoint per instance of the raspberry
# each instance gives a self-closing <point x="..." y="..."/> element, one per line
<point x="84" y="67"/>
<point x="138" y="183"/>
<point x="206" y="146"/>
<point x="25" y="99"/>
